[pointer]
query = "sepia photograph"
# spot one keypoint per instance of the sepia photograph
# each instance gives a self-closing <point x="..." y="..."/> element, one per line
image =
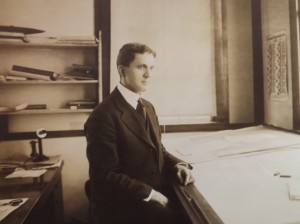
<point x="149" y="112"/>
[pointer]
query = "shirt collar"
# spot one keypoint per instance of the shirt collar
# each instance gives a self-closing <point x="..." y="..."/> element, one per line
<point x="131" y="97"/>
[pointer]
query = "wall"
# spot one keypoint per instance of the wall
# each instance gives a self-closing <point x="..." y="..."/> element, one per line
<point x="275" y="20"/>
<point x="68" y="17"/>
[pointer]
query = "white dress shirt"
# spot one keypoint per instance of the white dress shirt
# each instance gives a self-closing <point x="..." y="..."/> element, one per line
<point x="131" y="97"/>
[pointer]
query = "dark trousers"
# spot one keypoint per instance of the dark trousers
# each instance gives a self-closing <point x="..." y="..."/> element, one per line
<point x="154" y="213"/>
<point x="142" y="213"/>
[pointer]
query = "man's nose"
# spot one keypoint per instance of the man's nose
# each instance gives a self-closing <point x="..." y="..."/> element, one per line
<point x="147" y="72"/>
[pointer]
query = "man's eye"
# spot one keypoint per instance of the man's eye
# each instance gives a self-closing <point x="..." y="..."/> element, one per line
<point x="140" y="67"/>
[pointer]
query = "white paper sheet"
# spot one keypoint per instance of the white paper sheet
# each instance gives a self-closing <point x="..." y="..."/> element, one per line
<point x="294" y="190"/>
<point x="26" y="173"/>
<point x="5" y="210"/>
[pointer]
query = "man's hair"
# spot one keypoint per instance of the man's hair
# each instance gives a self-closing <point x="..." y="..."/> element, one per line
<point x="128" y="51"/>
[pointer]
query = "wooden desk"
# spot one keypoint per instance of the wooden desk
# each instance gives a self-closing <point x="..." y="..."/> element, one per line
<point x="235" y="183"/>
<point x="44" y="204"/>
<point x="194" y="206"/>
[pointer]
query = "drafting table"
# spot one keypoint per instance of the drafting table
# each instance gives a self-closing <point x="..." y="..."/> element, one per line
<point x="242" y="176"/>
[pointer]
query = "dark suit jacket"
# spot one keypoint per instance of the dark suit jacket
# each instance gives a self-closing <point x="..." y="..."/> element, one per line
<point x="125" y="163"/>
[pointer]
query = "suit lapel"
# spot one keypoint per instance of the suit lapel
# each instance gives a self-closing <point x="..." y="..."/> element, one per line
<point x="130" y="119"/>
<point x="132" y="122"/>
<point x="152" y="122"/>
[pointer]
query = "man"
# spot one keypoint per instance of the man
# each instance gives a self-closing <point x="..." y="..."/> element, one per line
<point x="128" y="163"/>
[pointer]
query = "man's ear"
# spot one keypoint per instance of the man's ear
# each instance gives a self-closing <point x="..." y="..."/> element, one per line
<point x="121" y="70"/>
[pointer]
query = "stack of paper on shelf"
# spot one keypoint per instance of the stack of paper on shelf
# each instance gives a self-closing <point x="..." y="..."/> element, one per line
<point x="85" y="40"/>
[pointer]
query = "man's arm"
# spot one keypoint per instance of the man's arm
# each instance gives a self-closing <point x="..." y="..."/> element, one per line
<point x="182" y="169"/>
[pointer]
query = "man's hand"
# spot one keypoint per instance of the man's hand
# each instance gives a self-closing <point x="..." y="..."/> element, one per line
<point x="184" y="175"/>
<point x="159" y="198"/>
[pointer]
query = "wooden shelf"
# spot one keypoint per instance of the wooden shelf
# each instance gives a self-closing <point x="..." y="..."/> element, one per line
<point x="41" y="45"/>
<point x="47" y="111"/>
<point x="41" y="82"/>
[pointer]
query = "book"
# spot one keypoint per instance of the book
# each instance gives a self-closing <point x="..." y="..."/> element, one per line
<point x="29" y="75"/>
<point x="85" y="69"/>
<point x="80" y="76"/>
<point x="51" y="74"/>
<point x="36" y="107"/>
<point x="83" y="72"/>
<point x="82" y="104"/>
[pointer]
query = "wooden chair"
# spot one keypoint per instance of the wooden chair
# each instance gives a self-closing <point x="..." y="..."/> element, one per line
<point x="87" y="189"/>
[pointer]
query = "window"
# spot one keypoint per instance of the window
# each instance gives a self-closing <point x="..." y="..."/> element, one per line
<point x="181" y="33"/>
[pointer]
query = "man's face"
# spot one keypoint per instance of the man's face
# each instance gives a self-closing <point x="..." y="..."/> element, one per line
<point x="136" y="76"/>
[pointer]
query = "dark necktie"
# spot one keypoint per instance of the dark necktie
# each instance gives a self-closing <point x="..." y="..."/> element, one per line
<point x="141" y="109"/>
<point x="143" y="114"/>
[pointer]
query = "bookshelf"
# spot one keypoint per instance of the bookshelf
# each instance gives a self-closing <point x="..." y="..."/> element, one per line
<point x="48" y="111"/>
<point x="48" y="54"/>
<point x="43" y="45"/>
<point x="37" y="82"/>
